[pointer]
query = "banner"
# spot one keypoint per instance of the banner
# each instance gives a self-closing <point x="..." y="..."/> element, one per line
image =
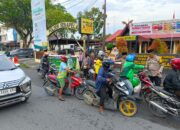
<point x="156" y="27"/>
<point x="86" y="26"/>
<point x="39" y="23"/>
<point x="127" y="38"/>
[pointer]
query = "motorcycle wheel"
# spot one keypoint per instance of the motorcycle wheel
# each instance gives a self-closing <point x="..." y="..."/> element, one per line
<point x="90" y="96"/>
<point x="79" y="92"/>
<point x="128" y="107"/>
<point x="154" y="110"/>
<point x="48" y="84"/>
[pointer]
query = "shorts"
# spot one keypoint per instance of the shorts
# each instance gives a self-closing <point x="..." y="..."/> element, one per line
<point x="61" y="82"/>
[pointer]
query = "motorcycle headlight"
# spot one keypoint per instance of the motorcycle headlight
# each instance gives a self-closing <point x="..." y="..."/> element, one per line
<point x="25" y="85"/>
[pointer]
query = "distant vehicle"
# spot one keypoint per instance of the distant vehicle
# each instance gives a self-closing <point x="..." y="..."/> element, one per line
<point x="23" y="53"/>
<point x="15" y="85"/>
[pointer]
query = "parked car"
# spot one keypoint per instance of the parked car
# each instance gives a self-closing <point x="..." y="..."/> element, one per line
<point x="15" y="85"/>
<point x="23" y="53"/>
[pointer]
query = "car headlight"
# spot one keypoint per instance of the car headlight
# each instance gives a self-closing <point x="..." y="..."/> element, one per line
<point x="25" y="85"/>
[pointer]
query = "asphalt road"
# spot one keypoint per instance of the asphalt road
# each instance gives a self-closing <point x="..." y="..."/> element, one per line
<point x="43" y="112"/>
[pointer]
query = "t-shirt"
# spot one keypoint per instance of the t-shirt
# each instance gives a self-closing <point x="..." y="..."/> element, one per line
<point x="97" y="65"/>
<point x="62" y="70"/>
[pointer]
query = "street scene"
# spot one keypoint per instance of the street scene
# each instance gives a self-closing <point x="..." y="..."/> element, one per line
<point x="89" y="64"/>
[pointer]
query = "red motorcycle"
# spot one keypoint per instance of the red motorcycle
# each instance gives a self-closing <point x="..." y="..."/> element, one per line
<point x="145" y="86"/>
<point x="51" y="84"/>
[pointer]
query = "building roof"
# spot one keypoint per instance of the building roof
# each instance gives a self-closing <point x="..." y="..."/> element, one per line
<point x="161" y="36"/>
<point x="113" y="36"/>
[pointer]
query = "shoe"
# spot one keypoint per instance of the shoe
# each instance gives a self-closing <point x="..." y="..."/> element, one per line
<point x="61" y="99"/>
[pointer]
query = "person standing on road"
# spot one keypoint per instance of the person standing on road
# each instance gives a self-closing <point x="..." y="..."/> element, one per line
<point x="86" y="65"/>
<point x="154" y="67"/>
<point x="62" y="75"/>
<point x="81" y="58"/>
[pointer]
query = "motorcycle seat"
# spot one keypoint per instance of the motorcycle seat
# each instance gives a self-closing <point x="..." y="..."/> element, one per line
<point x="91" y="83"/>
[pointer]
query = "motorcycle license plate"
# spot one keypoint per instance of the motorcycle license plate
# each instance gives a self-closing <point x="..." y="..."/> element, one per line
<point x="121" y="83"/>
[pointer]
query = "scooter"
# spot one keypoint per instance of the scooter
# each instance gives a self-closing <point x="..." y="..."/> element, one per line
<point x="51" y="85"/>
<point x="121" y="100"/>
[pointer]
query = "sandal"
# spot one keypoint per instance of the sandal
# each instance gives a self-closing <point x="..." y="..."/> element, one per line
<point x="61" y="99"/>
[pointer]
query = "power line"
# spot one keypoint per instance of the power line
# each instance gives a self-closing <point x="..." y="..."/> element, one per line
<point x="75" y="5"/>
<point x="90" y="5"/>
<point x="67" y="1"/>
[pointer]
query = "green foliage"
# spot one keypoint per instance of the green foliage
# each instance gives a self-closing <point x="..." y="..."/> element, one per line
<point x="110" y="46"/>
<point x="17" y="14"/>
<point x="96" y="15"/>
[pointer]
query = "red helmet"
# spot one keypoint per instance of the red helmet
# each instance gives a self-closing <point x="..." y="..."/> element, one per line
<point x="64" y="58"/>
<point x="175" y="63"/>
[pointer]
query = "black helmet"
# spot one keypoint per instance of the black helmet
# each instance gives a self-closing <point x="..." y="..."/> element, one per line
<point x="106" y="64"/>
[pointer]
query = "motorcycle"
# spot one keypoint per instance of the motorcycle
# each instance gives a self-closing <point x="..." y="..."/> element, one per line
<point x="121" y="100"/>
<point x="43" y="69"/>
<point x="161" y="103"/>
<point x="51" y="85"/>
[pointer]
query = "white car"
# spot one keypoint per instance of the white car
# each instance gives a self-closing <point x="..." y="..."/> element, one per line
<point x="15" y="85"/>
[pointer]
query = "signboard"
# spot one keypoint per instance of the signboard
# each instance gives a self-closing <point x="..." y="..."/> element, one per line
<point x="156" y="27"/>
<point x="66" y="25"/>
<point x="127" y="38"/>
<point x="86" y="26"/>
<point x="141" y="59"/>
<point x="39" y="23"/>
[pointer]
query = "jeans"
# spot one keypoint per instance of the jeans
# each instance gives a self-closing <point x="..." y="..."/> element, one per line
<point x="129" y="86"/>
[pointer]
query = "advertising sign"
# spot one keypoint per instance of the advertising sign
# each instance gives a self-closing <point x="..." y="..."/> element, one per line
<point x="86" y="26"/>
<point x="141" y="28"/>
<point x="156" y="27"/>
<point x="39" y="23"/>
<point x="66" y="25"/>
<point x="127" y="38"/>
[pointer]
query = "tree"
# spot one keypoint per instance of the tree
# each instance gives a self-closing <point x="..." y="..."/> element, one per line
<point x="159" y="46"/>
<point x="97" y="16"/>
<point x="17" y="14"/>
<point x="109" y="46"/>
<point x="121" y="45"/>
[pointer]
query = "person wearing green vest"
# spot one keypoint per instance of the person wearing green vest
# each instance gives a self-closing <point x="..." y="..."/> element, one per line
<point x="128" y="71"/>
<point x="62" y="75"/>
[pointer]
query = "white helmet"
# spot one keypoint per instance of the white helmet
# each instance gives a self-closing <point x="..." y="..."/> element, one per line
<point x="101" y="55"/>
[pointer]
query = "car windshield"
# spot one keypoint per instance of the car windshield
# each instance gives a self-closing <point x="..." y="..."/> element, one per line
<point x="6" y="64"/>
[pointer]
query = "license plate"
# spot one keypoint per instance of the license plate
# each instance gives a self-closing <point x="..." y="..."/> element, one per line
<point x="7" y="91"/>
<point x="121" y="83"/>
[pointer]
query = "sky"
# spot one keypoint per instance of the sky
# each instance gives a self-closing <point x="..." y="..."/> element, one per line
<point x="124" y="10"/>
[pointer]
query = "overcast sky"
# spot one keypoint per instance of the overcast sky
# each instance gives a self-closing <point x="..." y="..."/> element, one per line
<point x="124" y="10"/>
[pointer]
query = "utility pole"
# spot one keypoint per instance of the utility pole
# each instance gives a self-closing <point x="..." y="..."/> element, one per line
<point x="104" y="29"/>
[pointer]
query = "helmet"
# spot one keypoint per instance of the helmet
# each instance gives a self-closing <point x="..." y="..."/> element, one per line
<point x="131" y="57"/>
<point x="175" y="63"/>
<point x="106" y="64"/>
<point x="64" y="58"/>
<point x="101" y="55"/>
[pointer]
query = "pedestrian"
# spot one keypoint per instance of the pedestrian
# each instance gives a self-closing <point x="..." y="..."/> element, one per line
<point x="86" y="65"/>
<point x="80" y="58"/>
<point x="154" y="67"/>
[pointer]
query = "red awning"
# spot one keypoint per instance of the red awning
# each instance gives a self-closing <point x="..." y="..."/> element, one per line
<point x="113" y="36"/>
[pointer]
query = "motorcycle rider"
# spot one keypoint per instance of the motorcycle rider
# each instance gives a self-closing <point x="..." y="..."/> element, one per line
<point x="45" y="61"/>
<point x="62" y="75"/>
<point x="172" y="80"/>
<point x="98" y="62"/>
<point x="128" y="71"/>
<point x="102" y="82"/>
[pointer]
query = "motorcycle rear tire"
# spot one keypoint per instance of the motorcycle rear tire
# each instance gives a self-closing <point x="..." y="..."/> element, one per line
<point x="154" y="110"/>
<point x="79" y="92"/>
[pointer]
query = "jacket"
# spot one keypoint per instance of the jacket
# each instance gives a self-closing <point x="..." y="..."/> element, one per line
<point x="101" y="78"/>
<point x="129" y="70"/>
<point x="172" y="80"/>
